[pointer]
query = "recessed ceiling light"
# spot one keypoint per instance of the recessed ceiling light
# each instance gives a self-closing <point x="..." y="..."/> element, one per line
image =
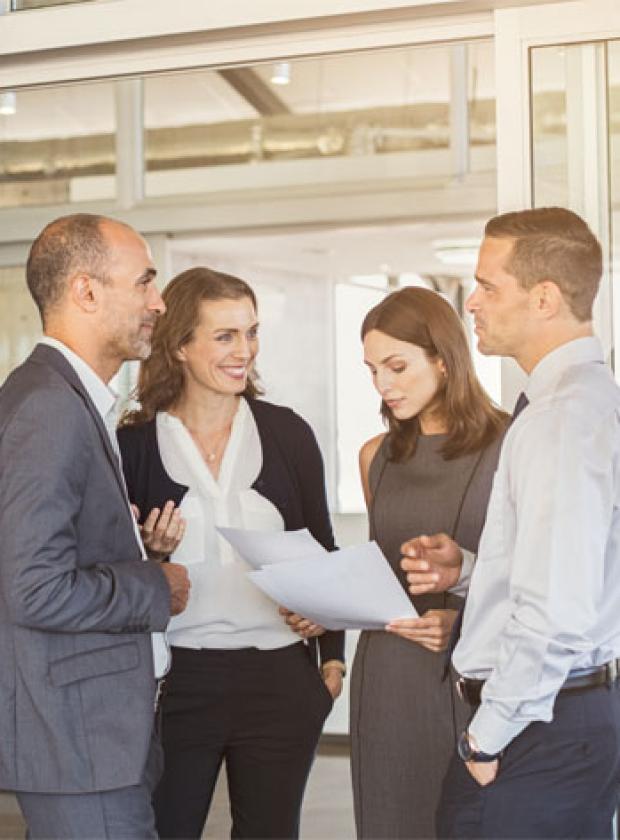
<point x="8" y="103"/>
<point x="457" y="251"/>
<point x="281" y="73"/>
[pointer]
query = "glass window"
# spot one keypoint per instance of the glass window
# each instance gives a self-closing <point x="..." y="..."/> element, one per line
<point x="56" y="143"/>
<point x="356" y="106"/>
<point x="549" y="128"/>
<point x="20" y="325"/>
<point x="574" y="153"/>
<point x="481" y="93"/>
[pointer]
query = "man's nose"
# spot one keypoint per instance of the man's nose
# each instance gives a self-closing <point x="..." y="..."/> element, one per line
<point x="156" y="302"/>
<point x="471" y="304"/>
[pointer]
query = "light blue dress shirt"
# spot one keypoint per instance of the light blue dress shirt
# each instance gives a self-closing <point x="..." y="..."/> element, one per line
<point x="544" y="598"/>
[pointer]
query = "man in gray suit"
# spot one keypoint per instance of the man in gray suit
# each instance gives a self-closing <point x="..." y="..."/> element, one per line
<point x="80" y="605"/>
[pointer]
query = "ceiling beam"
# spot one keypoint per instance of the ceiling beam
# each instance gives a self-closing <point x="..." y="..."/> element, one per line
<point x="252" y="88"/>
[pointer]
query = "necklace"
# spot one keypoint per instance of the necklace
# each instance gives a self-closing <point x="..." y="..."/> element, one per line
<point x="212" y="447"/>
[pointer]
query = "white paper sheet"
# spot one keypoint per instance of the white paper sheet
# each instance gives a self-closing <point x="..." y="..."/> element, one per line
<point x="262" y="548"/>
<point x="351" y="589"/>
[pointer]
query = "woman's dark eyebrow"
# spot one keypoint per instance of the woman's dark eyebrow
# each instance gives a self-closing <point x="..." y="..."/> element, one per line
<point x="235" y="329"/>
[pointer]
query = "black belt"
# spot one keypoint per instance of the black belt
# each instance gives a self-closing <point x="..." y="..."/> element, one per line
<point x="469" y="690"/>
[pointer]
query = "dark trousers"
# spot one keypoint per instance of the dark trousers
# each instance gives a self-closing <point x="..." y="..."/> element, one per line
<point x="260" y="711"/>
<point x="557" y="779"/>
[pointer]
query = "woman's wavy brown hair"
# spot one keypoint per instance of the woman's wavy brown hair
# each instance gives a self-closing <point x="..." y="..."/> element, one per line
<point x="424" y="318"/>
<point x="160" y="381"/>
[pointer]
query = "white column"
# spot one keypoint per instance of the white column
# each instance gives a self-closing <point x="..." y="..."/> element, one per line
<point x="129" y="143"/>
<point x="459" y="111"/>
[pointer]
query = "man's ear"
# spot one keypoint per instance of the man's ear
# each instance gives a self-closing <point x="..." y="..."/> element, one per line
<point x="83" y="293"/>
<point x="547" y="299"/>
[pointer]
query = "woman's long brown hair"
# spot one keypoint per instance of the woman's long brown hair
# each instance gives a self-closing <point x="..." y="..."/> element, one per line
<point x="160" y="381"/>
<point x="425" y="319"/>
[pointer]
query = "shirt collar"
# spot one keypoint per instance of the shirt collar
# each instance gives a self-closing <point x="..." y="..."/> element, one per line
<point x="551" y="367"/>
<point x="102" y="395"/>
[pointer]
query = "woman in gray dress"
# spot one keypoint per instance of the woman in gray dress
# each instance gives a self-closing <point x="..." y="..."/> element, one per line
<point x="430" y="473"/>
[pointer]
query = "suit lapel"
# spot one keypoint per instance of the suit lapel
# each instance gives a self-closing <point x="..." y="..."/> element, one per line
<point x="44" y="354"/>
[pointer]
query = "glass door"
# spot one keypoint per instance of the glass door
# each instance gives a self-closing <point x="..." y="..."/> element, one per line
<point x="558" y="131"/>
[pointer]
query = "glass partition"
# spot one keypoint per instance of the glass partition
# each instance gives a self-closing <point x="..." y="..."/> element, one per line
<point x="356" y="107"/>
<point x="575" y="150"/>
<point x="53" y="138"/>
<point x="381" y="114"/>
<point x="20" y="325"/>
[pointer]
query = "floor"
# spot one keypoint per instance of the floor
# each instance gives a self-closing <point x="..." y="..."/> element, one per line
<point x="327" y="812"/>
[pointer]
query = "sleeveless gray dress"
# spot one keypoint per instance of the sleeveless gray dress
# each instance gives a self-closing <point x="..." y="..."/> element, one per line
<point x="404" y="718"/>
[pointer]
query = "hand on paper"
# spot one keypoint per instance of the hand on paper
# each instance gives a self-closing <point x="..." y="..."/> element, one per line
<point x="433" y="564"/>
<point x="300" y="625"/>
<point x="162" y="531"/>
<point x="431" y="630"/>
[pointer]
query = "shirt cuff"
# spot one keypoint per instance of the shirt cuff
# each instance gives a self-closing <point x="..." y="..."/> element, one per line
<point x="491" y="732"/>
<point x="467" y="567"/>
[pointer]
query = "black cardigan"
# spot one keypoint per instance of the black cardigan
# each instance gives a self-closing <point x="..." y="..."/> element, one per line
<point x="291" y="478"/>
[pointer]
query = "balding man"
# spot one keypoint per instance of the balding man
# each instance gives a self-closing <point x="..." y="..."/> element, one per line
<point x="80" y="605"/>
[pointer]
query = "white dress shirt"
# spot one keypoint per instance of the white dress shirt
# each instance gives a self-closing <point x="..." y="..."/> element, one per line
<point x="545" y="592"/>
<point x="225" y="609"/>
<point x="105" y="400"/>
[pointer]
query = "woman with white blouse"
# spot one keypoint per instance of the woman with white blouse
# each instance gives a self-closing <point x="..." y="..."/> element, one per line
<point x="242" y="688"/>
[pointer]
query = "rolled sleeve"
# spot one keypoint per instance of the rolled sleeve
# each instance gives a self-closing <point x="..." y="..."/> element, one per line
<point x="467" y="567"/>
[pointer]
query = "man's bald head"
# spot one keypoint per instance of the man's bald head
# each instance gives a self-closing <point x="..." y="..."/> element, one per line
<point x="67" y="246"/>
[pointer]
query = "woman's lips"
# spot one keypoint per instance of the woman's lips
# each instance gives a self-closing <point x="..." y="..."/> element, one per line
<point x="236" y="372"/>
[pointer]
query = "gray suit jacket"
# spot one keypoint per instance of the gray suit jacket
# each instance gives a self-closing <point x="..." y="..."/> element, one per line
<point x="77" y="602"/>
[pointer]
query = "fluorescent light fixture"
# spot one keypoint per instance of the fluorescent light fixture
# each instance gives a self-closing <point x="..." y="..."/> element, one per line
<point x="8" y="103"/>
<point x="412" y="278"/>
<point x="373" y="281"/>
<point x="457" y="251"/>
<point x="281" y="73"/>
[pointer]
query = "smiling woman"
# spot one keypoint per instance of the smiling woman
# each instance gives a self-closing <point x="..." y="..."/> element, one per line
<point x="240" y="676"/>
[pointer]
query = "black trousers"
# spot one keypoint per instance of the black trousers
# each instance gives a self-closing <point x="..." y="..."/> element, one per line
<point x="260" y="711"/>
<point x="557" y="779"/>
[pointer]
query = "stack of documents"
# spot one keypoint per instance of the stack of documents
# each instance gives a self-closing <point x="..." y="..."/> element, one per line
<point x="351" y="589"/>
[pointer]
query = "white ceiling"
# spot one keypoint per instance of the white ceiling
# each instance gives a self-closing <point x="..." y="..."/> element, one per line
<point x="338" y="253"/>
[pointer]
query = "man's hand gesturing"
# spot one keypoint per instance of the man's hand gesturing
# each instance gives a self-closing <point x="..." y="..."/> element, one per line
<point x="433" y="564"/>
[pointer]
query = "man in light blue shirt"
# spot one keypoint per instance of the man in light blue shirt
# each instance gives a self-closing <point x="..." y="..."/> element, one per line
<point x="541" y="633"/>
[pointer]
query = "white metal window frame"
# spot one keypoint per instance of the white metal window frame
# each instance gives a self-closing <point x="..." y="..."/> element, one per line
<point x="116" y="38"/>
